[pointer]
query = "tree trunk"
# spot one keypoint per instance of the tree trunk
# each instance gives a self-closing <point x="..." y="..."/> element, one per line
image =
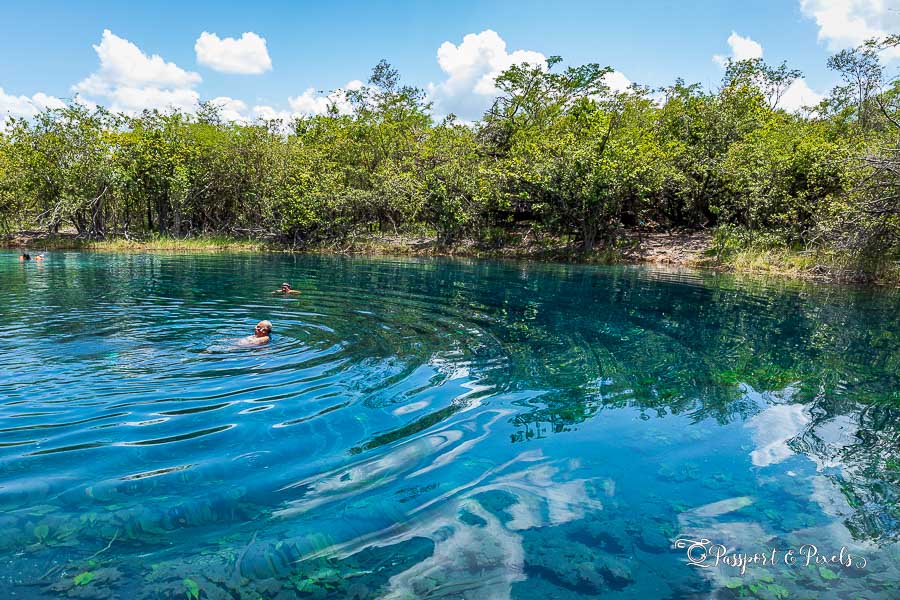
<point x="589" y="231"/>
<point x="162" y="217"/>
<point x="80" y="223"/>
<point x="177" y="221"/>
<point x="97" y="220"/>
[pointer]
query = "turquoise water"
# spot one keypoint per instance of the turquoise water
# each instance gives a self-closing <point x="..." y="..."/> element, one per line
<point x="441" y="429"/>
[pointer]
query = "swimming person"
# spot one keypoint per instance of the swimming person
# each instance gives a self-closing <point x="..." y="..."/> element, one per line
<point x="25" y="256"/>
<point x="286" y="289"/>
<point x="39" y="257"/>
<point x="261" y="335"/>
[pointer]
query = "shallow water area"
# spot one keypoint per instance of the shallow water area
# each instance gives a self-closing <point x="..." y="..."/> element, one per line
<point x="442" y="428"/>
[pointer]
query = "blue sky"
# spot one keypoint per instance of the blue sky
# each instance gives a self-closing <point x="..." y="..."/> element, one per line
<point x="296" y="49"/>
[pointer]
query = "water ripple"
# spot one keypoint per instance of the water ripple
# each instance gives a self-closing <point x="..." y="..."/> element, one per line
<point x="424" y="428"/>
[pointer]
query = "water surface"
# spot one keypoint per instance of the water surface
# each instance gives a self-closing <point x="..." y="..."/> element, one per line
<point x="441" y="429"/>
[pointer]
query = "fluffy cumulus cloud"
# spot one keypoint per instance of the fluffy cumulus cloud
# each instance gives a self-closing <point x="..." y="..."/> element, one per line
<point x="616" y="81"/>
<point x="246" y="55"/>
<point x="124" y="64"/>
<point x="231" y="109"/>
<point x="43" y="101"/>
<point x="848" y="23"/>
<point x="471" y="68"/>
<point x="24" y="106"/>
<point x="268" y="113"/>
<point x="311" y="102"/>
<point x="798" y="96"/>
<point x="742" y="48"/>
<point x="129" y="80"/>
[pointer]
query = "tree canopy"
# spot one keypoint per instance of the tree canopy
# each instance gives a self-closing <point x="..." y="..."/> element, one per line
<point x="558" y="153"/>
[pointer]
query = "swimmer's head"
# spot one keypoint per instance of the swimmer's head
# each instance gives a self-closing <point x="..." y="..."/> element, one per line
<point x="263" y="328"/>
<point x="285" y="287"/>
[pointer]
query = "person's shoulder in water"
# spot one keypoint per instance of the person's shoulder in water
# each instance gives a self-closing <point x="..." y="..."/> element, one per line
<point x="262" y="333"/>
<point x="285" y="289"/>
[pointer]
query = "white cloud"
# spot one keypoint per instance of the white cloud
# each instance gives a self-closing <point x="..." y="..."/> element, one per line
<point x="23" y="106"/>
<point x="773" y="428"/>
<point x="247" y="55"/>
<point x="847" y="23"/>
<point x="16" y="106"/>
<point x="310" y="102"/>
<point x="268" y="113"/>
<point x="123" y="63"/>
<point x="742" y="48"/>
<point x="616" y="81"/>
<point x="44" y="101"/>
<point x="231" y="109"/>
<point x="131" y="81"/>
<point x="132" y="99"/>
<point x="471" y="69"/>
<point x="798" y="96"/>
<point x="85" y="102"/>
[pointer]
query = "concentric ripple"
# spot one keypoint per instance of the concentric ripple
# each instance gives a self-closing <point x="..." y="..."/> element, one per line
<point x="435" y="428"/>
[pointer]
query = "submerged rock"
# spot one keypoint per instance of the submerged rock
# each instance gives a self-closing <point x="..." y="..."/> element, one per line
<point x="576" y="566"/>
<point x="652" y="540"/>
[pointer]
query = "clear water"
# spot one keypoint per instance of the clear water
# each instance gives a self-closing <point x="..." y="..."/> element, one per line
<point x="439" y="428"/>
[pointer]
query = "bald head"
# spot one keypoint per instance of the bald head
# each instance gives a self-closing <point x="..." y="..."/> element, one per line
<point x="263" y="328"/>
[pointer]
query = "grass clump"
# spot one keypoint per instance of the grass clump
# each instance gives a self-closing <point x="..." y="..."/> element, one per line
<point x="155" y="243"/>
<point x="205" y="243"/>
<point x="738" y="250"/>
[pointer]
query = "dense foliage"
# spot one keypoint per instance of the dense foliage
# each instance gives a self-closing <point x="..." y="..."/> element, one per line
<point x="558" y="154"/>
